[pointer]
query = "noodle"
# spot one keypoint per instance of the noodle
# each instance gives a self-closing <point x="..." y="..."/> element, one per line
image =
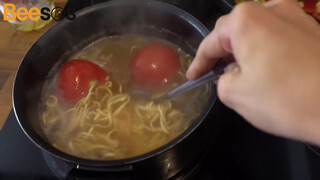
<point x="106" y="119"/>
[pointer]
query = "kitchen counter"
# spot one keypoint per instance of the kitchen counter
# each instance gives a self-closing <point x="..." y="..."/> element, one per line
<point x="14" y="45"/>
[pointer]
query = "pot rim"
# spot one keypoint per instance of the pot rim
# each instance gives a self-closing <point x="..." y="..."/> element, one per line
<point x="45" y="146"/>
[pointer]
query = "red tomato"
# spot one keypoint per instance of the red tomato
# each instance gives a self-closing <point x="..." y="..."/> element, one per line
<point x="75" y="77"/>
<point x="154" y="65"/>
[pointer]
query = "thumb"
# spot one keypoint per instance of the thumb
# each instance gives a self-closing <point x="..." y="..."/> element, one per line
<point x="229" y="86"/>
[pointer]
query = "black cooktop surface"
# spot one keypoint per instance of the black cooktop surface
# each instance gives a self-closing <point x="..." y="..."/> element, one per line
<point x="238" y="150"/>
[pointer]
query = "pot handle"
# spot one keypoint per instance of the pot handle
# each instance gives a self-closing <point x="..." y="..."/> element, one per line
<point x="96" y="173"/>
<point x="105" y="169"/>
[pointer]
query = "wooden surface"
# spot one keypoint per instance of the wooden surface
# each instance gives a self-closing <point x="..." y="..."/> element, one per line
<point x="13" y="46"/>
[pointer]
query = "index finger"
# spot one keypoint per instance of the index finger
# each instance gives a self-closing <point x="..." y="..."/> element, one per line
<point x="215" y="46"/>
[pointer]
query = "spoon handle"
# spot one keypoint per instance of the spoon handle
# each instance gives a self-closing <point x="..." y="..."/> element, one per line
<point x="193" y="83"/>
<point x="211" y="76"/>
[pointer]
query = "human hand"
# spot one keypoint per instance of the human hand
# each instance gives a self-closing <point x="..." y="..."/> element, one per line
<point x="275" y="83"/>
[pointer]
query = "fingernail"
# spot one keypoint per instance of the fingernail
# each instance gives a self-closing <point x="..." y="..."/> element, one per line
<point x="189" y="75"/>
<point x="190" y="71"/>
<point x="232" y="67"/>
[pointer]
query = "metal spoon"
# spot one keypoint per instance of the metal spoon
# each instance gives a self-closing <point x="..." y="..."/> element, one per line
<point x="211" y="76"/>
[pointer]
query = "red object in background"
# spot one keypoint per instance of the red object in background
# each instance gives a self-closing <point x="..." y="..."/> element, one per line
<point x="75" y="76"/>
<point x="154" y="65"/>
<point x="309" y="6"/>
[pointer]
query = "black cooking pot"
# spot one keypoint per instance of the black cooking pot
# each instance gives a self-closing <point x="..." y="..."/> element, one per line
<point x="60" y="42"/>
